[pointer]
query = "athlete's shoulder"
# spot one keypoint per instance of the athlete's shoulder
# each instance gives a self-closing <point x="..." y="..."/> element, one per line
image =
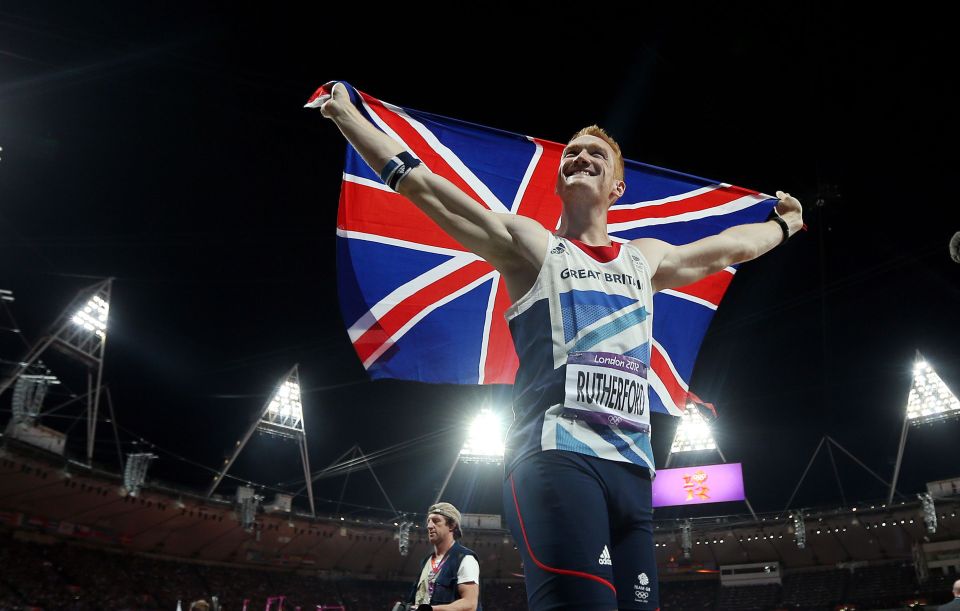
<point x="653" y="251"/>
<point x="529" y="237"/>
<point x="651" y="247"/>
<point x="523" y="226"/>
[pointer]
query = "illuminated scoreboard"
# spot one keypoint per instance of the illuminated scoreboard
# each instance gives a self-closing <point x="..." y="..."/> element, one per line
<point x="698" y="485"/>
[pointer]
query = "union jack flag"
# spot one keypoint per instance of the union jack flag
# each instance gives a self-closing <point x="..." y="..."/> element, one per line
<point x="421" y="307"/>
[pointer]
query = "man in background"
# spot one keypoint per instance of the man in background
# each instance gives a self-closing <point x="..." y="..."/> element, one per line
<point x="450" y="576"/>
<point x="953" y="605"/>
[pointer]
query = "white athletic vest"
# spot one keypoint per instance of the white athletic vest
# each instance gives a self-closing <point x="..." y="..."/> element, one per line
<point x="582" y="334"/>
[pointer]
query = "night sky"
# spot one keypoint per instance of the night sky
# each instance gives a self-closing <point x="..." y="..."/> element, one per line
<point x="168" y="148"/>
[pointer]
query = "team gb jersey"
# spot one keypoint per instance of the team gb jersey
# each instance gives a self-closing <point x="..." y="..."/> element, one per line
<point x="582" y="334"/>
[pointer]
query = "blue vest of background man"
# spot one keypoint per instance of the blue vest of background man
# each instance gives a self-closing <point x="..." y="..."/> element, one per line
<point x="445" y="587"/>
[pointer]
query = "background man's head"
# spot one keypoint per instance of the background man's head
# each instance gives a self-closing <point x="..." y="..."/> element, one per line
<point x="956" y="588"/>
<point x="443" y="519"/>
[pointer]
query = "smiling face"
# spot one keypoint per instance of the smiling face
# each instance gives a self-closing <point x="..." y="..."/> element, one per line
<point x="590" y="170"/>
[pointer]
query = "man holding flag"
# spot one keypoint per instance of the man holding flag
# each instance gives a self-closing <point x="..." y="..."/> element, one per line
<point x="579" y="464"/>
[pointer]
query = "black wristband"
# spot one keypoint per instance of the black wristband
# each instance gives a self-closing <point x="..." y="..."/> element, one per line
<point x="779" y="221"/>
<point x="397" y="169"/>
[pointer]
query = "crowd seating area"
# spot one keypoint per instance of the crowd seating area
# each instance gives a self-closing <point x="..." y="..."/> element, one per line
<point x="886" y="586"/>
<point x="72" y="578"/>
<point x="870" y="586"/>
<point x="696" y="595"/>
<point x="814" y="589"/>
<point x="748" y="598"/>
<point x="69" y="577"/>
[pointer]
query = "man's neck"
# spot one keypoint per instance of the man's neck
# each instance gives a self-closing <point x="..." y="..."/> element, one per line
<point x="442" y="548"/>
<point x="585" y="223"/>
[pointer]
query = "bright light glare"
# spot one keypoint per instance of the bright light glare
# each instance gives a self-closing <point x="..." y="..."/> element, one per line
<point x="929" y="398"/>
<point x="93" y="316"/>
<point x="285" y="408"/>
<point x="484" y="439"/>
<point x="693" y="433"/>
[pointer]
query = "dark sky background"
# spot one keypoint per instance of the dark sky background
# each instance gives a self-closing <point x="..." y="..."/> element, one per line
<point x="168" y="148"/>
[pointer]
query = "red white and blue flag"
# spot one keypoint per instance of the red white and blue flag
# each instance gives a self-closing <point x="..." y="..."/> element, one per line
<point x="419" y="306"/>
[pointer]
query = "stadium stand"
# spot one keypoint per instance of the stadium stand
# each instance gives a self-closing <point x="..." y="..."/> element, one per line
<point x="814" y="589"/>
<point x="73" y="541"/>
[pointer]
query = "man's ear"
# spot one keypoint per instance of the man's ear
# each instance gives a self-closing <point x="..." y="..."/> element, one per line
<point x="620" y="188"/>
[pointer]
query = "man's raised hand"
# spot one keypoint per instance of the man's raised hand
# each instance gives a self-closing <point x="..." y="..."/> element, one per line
<point x="332" y="99"/>
<point x="790" y="210"/>
<point x="336" y="103"/>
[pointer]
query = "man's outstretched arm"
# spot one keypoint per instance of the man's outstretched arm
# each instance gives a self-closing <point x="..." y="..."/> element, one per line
<point x="512" y="244"/>
<point x="681" y="265"/>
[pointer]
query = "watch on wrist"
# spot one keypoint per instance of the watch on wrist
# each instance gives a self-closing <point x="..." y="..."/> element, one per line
<point x="779" y="221"/>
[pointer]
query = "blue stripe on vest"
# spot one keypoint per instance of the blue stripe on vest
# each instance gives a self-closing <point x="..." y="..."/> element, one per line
<point x="610" y="329"/>
<point x="566" y="441"/>
<point x="618" y="442"/>
<point x="641" y="352"/>
<point x="580" y="309"/>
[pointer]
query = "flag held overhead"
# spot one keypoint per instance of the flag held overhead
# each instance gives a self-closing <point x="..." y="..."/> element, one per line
<point x="418" y="306"/>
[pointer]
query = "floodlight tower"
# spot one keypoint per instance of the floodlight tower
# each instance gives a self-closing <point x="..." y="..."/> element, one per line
<point x="484" y="444"/>
<point x="281" y="416"/>
<point x="694" y="434"/>
<point x="81" y="333"/>
<point x="929" y="401"/>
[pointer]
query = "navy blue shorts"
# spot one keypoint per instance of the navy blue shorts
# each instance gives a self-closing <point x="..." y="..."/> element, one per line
<point x="584" y="527"/>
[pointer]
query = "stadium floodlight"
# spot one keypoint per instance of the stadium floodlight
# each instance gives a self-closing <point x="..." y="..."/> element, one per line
<point x="135" y="471"/>
<point x="93" y="316"/>
<point x="693" y="433"/>
<point x="485" y="439"/>
<point x="285" y="408"/>
<point x="929" y="401"/>
<point x="484" y="444"/>
<point x="280" y="416"/>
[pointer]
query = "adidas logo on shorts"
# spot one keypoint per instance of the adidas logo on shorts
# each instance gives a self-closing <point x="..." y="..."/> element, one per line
<point x="605" y="556"/>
